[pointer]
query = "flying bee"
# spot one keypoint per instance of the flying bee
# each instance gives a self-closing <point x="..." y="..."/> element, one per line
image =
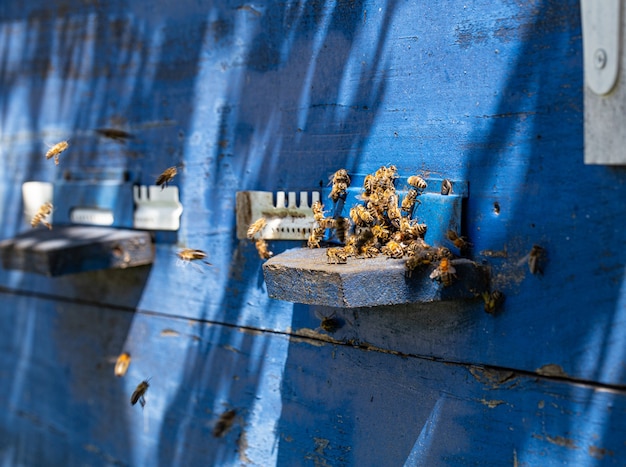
<point x="318" y="211"/>
<point x="256" y="227"/>
<point x="418" y="182"/>
<point x="392" y="249"/>
<point x="140" y="393"/>
<point x="361" y="216"/>
<point x="493" y="301"/>
<point x="261" y="248"/>
<point x="364" y="238"/>
<point x="444" y="272"/>
<point x="535" y="259"/>
<point x="166" y="176"/>
<point x="446" y="187"/>
<point x="122" y="363"/>
<point x="336" y="255"/>
<point x="408" y="203"/>
<point x="55" y="150"/>
<point x="340" y="181"/>
<point x="460" y="242"/>
<point x="317" y="235"/>
<point x="187" y="255"/>
<point x="44" y="211"/>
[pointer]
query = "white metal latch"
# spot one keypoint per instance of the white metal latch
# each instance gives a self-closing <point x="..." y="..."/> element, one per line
<point x="601" y="43"/>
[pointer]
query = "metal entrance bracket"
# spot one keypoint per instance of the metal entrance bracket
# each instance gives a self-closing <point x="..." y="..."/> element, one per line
<point x="605" y="90"/>
<point x="601" y="43"/>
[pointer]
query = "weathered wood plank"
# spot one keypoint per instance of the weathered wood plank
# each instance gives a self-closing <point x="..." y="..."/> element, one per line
<point x="351" y="406"/>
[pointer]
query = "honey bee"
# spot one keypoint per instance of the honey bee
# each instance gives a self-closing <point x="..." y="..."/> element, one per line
<point x="418" y="182"/>
<point x="364" y="238"/>
<point x="189" y="254"/>
<point x="166" y="177"/>
<point x="422" y="258"/>
<point x="261" y="248"/>
<point x="369" y="251"/>
<point x="412" y="229"/>
<point x="381" y="232"/>
<point x="256" y="227"/>
<point x="122" y="363"/>
<point x="446" y="187"/>
<point x="341" y="225"/>
<point x="444" y="272"/>
<point x="224" y="424"/>
<point x="369" y="184"/>
<point x="361" y="216"/>
<point x="459" y="242"/>
<point x="392" y="249"/>
<point x="341" y="182"/>
<point x="317" y="235"/>
<point x="318" y="211"/>
<point x="535" y="259"/>
<point x="393" y="212"/>
<point x="330" y="324"/>
<point x="139" y="393"/>
<point x="44" y="211"/>
<point x="408" y="203"/>
<point x="336" y="256"/>
<point x="493" y="301"/>
<point x="55" y="150"/>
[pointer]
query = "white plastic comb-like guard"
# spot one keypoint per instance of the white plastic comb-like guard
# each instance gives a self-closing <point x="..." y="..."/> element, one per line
<point x="156" y="208"/>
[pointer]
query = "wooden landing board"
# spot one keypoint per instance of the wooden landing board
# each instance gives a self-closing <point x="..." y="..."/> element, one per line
<point x="74" y="249"/>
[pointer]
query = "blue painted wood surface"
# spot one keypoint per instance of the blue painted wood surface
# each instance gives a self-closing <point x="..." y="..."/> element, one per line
<point x="276" y="96"/>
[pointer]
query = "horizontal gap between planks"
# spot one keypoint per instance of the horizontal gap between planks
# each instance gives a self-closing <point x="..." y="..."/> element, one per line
<point x="323" y="338"/>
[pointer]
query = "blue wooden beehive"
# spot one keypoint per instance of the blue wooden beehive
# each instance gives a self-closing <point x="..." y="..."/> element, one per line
<point x="273" y="97"/>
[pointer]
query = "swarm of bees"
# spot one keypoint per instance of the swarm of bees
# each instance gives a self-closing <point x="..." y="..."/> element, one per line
<point x="384" y="224"/>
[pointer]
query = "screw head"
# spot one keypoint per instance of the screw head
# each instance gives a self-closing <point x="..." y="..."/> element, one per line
<point x="599" y="58"/>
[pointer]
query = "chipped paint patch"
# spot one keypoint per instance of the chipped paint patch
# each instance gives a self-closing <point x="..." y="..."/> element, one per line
<point x="169" y="333"/>
<point x="552" y="369"/>
<point x="599" y="453"/>
<point x="494" y="378"/>
<point x="492" y="403"/>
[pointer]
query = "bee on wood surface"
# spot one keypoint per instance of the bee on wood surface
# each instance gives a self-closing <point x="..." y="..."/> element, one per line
<point x="44" y="211"/>
<point x="422" y="258"/>
<point x="189" y="254"/>
<point x="122" y="364"/>
<point x="443" y="252"/>
<point x="224" y="423"/>
<point x="317" y="235"/>
<point x="417" y="245"/>
<point x="446" y="187"/>
<point x="256" y="227"/>
<point x="369" y="251"/>
<point x="330" y="324"/>
<point x="444" y="272"/>
<point x="140" y="393"/>
<point x="361" y="216"/>
<point x="336" y="255"/>
<point x="385" y="177"/>
<point x="318" y="211"/>
<point x="408" y="203"/>
<point x="364" y="238"/>
<point x="262" y="250"/>
<point x="392" y="249"/>
<point x="393" y="212"/>
<point x="166" y="176"/>
<point x="460" y="242"/>
<point x="535" y="259"/>
<point x="418" y="182"/>
<point x="340" y="181"/>
<point x="55" y="150"/>
<point x="493" y="301"/>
